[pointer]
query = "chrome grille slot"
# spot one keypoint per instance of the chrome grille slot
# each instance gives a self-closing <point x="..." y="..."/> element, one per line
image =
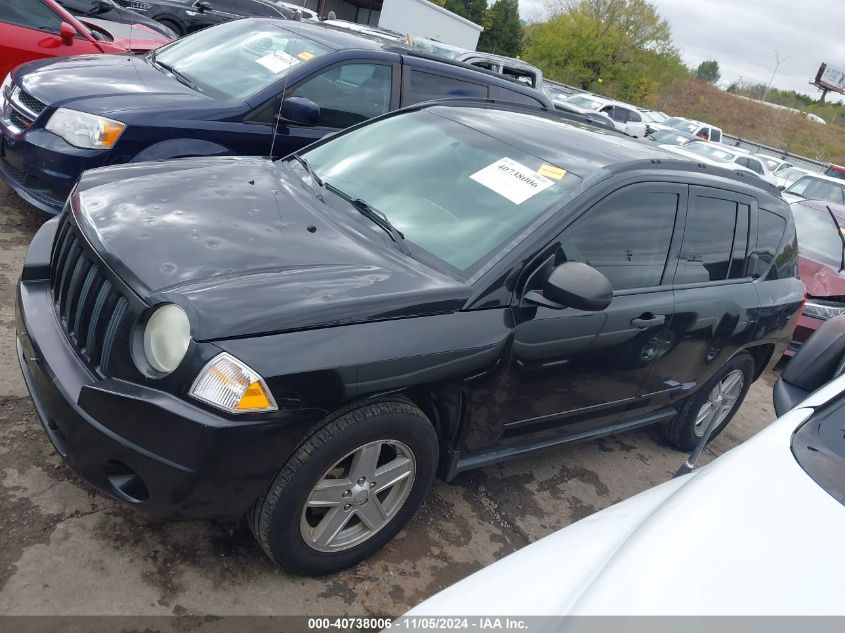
<point x="89" y="307"/>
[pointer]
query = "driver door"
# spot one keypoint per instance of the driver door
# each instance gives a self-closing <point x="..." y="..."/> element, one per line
<point x="569" y="371"/>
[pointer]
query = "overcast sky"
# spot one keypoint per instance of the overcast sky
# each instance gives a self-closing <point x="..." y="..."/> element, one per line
<point x="743" y="35"/>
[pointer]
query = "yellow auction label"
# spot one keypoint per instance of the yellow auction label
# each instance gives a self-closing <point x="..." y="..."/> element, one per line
<point x="550" y="171"/>
<point x="306" y="56"/>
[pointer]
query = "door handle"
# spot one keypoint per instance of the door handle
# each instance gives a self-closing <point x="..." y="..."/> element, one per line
<point x="646" y="321"/>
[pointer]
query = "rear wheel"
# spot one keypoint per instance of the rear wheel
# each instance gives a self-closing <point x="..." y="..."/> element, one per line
<point x="349" y="489"/>
<point x="717" y="402"/>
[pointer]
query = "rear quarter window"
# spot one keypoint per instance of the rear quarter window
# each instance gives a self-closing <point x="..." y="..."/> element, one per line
<point x="426" y="86"/>
<point x="777" y="247"/>
<point x="514" y="96"/>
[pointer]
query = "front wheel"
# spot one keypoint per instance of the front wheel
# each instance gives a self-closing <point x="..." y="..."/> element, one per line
<point x="715" y="403"/>
<point x="353" y="484"/>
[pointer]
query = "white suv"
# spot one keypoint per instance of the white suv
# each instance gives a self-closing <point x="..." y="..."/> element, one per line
<point x="626" y="118"/>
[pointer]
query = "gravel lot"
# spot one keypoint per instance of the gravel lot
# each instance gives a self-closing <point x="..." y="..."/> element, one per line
<point x="70" y="550"/>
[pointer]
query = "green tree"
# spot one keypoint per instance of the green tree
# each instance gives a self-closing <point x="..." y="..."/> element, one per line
<point x="502" y="32"/>
<point x="708" y="71"/>
<point x="621" y="48"/>
<point x="472" y="10"/>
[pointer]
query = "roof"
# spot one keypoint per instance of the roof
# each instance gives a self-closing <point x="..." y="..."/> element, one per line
<point x="336" y="39"/>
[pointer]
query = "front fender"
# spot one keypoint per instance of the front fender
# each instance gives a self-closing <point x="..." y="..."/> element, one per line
<point x="179" y="148"/>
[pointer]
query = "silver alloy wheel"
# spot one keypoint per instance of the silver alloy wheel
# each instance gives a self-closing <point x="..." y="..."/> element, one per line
<point x="720" y="401"/>
<point x="358" y="496"/>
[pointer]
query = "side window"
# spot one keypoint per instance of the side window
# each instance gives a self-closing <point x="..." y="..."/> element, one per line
<point x="716" y="135"/>
<point x="620" y="115"/>
<point x="626" y="236"/>
<point x="714" y="247"/>
<point x="742" y="160"/>
<point x="634" y="117"/>
<point x="348" y="94"/>
<point x="31" y="14"/>
<point x="755" y="166"/>
<point x="427" y="86"/>
<point x="769" y="236"/>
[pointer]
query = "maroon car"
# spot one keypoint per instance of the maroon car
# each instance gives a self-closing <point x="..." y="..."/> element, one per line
<point x="821" y="245"/>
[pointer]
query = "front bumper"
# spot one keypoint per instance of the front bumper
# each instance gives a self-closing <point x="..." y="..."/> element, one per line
<point x="148" y="447"/>
<point x="41" y="167"/>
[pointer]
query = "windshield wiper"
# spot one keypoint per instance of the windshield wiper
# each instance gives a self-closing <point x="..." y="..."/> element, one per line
<point x="304" y="162"/>
<point x="841" y="237"/>
<point x="179" y="76"/>
<point x="373" y="214"/>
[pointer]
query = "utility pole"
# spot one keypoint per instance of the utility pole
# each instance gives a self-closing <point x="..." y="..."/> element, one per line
<point x="778" y="61"/>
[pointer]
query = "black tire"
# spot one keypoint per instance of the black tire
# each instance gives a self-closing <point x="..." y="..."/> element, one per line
<point x="275" y="519"/>
<point x="681" y="431"/>
<point x="172" y="24"/>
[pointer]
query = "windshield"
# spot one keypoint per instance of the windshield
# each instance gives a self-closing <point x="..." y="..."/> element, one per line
<point x="818" y="236"/>
<point x="668" y="137"/>
<point x="239" y="58"/>
<point x="682" y="124"/>
<point x="771" y="163"/>
<point x="451" y="190"/>
<point x="818" y="189"/>
<point x="585" y="102"/>
<point x="711" y="151"/>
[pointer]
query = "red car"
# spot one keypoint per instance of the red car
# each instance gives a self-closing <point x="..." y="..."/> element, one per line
<point x="821" y="260"/>
<point x="34" y="29"/>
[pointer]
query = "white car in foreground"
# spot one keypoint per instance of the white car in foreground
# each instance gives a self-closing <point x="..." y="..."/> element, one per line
<point x="759" y="531"/>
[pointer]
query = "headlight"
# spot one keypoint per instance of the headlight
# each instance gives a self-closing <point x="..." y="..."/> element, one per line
<point x="229" y="384"/>
<point x="5" y="91"/>
<point x="88" y="131"/>
<point x="823" y="310"/>
<point x="166" y="338"/>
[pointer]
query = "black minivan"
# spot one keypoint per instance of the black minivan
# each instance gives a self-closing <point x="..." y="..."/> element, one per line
<point x="309" y="341"/>
<point x="252" y="87"/>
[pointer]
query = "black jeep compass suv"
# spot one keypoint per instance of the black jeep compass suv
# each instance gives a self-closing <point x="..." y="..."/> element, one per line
<point x="308" y="342"/>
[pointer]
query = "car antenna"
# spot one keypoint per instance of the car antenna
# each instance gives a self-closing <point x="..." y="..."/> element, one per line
<point x="278" y="116"/>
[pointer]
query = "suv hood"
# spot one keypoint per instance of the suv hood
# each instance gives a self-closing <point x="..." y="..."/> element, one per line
<point x="820" y="279"/>
<point x="247" y="249"/>
<point x="106" y="84"/>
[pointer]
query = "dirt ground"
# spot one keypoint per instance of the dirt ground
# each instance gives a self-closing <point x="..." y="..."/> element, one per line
<point x="67" y="549"/>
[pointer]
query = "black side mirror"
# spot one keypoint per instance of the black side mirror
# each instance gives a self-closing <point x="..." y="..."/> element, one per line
<point x="300" y="111"/>
<point x="781" y="187"/>
<point x="203" y="5"/>
<point x="574" y="285"/>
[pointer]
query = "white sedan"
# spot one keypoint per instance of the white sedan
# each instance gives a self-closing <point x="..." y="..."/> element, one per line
<point x="756" y="532"/>
<point x="722" y="156"/>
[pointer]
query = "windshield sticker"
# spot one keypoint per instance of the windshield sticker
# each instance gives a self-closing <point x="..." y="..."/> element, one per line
<point x="550" y="171"/>
<point x="512" y="180"/>
<point x="278" y="61"/>
<point x="306" y="56"/>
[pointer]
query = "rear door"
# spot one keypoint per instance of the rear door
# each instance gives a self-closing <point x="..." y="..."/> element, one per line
<point x="30" y="30"/>
<point x="716" y="304"/>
